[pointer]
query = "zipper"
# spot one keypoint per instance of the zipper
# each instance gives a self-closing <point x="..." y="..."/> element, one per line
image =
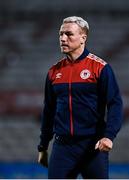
<point x="70" y="101"/>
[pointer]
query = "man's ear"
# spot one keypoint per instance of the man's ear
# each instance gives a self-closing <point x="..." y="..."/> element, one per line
<point x="84" y="38"/>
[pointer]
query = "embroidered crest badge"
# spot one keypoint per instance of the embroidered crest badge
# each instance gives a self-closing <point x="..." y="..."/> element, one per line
<point x="85" y="74"/>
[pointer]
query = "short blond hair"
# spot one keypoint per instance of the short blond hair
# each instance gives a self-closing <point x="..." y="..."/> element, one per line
<point x="79" y="21"/>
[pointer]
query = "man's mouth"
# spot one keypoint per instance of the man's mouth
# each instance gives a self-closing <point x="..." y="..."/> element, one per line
<point x="64" y="45"/>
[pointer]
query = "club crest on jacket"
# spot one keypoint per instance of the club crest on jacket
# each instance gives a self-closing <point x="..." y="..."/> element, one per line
<point x="85" y="74"/>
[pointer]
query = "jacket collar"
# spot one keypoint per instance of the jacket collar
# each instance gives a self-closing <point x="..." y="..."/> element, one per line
<point x="83" y="55"/>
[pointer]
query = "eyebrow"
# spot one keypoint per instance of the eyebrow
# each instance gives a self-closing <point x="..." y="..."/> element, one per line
<point x="65" y="32"/>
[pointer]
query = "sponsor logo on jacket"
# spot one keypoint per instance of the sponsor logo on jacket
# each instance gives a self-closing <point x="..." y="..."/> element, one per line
<point x="58" y="75"/>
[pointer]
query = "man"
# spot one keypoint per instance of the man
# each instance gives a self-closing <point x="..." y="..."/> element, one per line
<point x="79" y="90"/>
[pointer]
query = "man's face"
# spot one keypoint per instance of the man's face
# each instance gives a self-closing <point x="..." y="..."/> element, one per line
<point x="71" y="37"/>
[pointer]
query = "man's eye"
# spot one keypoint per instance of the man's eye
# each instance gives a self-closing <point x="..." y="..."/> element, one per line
<point x="69" y="34"/>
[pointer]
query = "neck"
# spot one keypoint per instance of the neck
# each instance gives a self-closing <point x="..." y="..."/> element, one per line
<point x="75" y="54"/>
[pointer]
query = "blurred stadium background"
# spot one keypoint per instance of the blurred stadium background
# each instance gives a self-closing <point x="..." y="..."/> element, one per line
<point x="28" y="47"/>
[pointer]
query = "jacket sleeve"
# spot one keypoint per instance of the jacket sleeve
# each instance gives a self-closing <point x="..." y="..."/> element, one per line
<point x="47" y="117"/>
<point x="109" y="92"/>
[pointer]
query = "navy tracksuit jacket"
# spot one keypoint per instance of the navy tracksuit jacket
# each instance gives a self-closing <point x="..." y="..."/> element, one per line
<point x="77" y="95"/>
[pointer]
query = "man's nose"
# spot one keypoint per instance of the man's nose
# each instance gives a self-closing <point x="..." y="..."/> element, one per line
<point x="63" y="37"/>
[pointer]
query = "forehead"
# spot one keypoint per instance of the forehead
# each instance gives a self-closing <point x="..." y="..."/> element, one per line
<point x="71" y="26"/>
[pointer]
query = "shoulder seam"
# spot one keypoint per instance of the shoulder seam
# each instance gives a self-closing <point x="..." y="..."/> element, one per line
<point x="96" y="58"/>
<point x="58" y="62"/>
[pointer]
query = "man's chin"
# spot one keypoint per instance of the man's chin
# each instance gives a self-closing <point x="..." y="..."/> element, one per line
<point x="64" y="51"/>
